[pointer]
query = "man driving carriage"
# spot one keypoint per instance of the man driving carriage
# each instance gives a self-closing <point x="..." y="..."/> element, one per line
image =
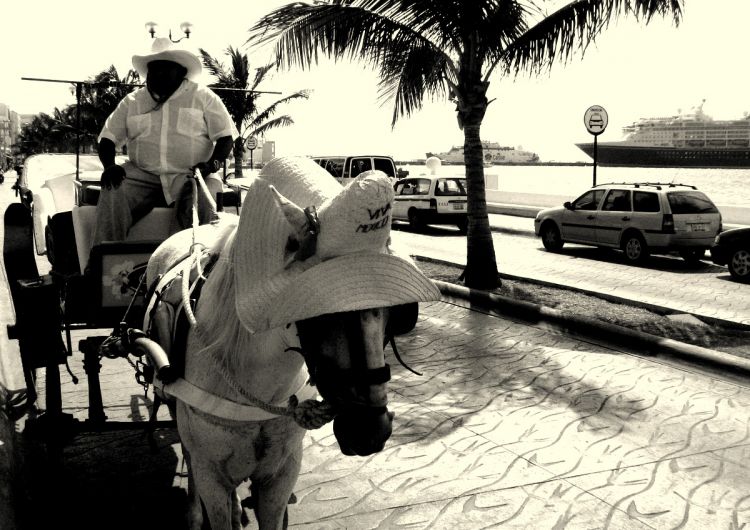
<point x="170" y="126"/>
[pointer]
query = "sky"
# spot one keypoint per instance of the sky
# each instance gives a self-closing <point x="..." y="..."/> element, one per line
<point x="634" y="71"/>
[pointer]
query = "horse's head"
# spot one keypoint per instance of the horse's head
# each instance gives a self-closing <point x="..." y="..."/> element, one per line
<point x="345" y="357"/>
<point x="331" y="271"/>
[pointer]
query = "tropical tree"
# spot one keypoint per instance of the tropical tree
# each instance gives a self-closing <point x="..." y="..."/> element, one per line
<point x="240" y="95"/>
<point x="61" y="132"/>
<point x="100" y="95"/>
<point x="450" y="49"/>
<point x="37" y="135"/>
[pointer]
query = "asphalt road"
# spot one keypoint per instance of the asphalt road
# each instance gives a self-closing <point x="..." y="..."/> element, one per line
<point x="666" y="281"/>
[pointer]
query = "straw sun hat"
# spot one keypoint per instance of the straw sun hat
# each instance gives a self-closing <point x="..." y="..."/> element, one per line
<point x="352" y="267"/>
<point x="163" y="49"/>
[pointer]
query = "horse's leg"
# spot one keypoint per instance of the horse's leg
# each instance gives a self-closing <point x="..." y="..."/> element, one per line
<point x="194" y="508"/>
<point x="219" y="498"/>
<point x="272" y="495"/>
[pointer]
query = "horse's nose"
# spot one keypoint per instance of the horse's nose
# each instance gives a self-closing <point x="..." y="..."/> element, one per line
<point x="363" y="431"/>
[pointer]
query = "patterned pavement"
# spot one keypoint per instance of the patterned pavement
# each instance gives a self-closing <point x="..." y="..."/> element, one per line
<point x="511" y="426"/>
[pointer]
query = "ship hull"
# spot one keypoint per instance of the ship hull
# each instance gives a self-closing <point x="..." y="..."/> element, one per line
<point x="637" y="156"/>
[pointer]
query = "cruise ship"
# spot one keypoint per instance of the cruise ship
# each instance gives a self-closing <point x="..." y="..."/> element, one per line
<point x="685" y="140"/>
<point x="493" y="153"/>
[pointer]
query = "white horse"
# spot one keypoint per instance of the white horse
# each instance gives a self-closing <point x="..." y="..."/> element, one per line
<point x="291" y="290"/>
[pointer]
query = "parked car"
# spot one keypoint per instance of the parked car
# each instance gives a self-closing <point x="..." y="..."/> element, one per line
<point x="430" y="199"/>
<point x="732" y="248"/>
<point x="638" y="218"/>
<point x="346" y="168"/>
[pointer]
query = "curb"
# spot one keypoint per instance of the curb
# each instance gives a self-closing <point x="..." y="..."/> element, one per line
<point x="593" y="328"/>
<point x="659" y="309"/>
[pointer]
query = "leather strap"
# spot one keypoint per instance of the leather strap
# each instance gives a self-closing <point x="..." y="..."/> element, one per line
<point x="199" y="399"/>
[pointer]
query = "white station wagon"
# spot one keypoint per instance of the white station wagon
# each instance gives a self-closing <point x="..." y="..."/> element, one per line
<point x="639" y="218"/>
<point x="431" y="200"/>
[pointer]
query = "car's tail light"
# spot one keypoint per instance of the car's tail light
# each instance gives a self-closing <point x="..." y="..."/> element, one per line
<point x="433" y="204"/>
<point x="721" y="225"/>
<point x="667" y="223"/>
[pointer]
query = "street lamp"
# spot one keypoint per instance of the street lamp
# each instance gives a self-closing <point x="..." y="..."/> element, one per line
<point x="185" y="27"/>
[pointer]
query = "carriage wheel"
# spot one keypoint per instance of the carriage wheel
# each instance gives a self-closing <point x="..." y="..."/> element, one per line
<point x="18" y="258"/>
<point x="37" y="324"/>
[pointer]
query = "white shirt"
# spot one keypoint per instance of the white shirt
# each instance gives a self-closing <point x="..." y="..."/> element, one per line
<point x="170" y="140"/>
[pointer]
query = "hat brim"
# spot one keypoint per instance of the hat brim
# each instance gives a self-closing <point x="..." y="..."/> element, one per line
<point x="352" y="282"/>
<point x="182" y="57"/>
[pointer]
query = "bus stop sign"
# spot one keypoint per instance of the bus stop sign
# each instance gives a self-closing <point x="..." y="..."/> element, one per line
<point x="595" y="119"/>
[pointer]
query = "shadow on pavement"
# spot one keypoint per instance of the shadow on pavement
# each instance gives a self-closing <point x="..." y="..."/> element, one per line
<point x="429" y="230"/>
<point x="105" y="480"/>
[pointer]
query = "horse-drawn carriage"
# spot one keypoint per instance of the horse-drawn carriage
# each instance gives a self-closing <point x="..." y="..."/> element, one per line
<point x="296" y="295"/>
<point x="46" y="250"/>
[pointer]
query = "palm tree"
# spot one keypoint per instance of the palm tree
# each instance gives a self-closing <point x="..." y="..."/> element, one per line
<point x="447" y="48"/>
<point x="242" y="101"/>
<point x="37" y="135"/>
<point x="100" y="95"/>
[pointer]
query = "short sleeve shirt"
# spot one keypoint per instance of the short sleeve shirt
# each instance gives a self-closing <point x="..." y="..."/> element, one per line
<point x="171" y="139"/>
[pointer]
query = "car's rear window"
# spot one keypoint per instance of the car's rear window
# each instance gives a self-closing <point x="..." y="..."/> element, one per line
<point x="684" y="202"/>
<point x="335" y="166"/>
<point x="450" y="187"/>
<point x="645" y="201"/>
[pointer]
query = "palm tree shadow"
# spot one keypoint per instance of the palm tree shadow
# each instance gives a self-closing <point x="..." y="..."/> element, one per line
<point x="483" y="378"/>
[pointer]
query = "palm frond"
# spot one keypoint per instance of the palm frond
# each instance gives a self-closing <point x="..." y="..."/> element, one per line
<point x="276" y="123"/>
<point x="268" y="112"/>
<point x="573" y="27"/>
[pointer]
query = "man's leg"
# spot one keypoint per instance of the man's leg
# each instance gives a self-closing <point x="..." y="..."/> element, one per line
<point x="118" y="209"/>
<point x="184" y="202"/>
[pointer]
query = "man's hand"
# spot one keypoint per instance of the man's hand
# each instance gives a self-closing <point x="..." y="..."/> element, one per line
<point x="112" y="177"/>
<point x="206" y="168"/>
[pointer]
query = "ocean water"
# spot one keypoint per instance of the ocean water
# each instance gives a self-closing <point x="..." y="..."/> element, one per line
<point x="730" y="187"/>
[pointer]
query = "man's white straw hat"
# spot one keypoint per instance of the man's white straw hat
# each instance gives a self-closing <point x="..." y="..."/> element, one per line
<point x="353" y="266"/>
<point x="163" y="49"/>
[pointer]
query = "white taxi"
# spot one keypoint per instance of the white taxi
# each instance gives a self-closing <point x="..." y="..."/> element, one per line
<point x="431" y="200"/>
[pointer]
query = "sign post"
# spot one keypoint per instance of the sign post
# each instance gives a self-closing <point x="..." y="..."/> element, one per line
<point x="251" y="143"/>
<point x="595" y="119"/>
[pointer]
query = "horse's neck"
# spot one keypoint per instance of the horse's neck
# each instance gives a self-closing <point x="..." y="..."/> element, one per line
<point x="262" y="363"/>
<point x="263" y="366"/>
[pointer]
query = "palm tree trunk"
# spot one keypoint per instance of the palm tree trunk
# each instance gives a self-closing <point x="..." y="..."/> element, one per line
<point x="238" y="155"/>
<point x="481" y="265"/>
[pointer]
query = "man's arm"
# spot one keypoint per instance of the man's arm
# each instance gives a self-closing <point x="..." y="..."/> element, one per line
<point x="113" y="175"/>
<point x="221" y="152"/>
<point x="106" y="152"/>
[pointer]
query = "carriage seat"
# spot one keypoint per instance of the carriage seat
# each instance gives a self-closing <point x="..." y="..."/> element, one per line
<point x="153" y="227"/>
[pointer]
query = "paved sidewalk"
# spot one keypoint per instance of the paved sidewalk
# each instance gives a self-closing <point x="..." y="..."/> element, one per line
<point x="511" y="426"/>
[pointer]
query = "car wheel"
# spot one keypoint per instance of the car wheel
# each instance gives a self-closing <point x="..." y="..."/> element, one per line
<point x="739" y="264"/>
<point x="551" y="237"/>
<point x="635" y="248"/>
<point x="693" y="255"/>
<point x="415" y="220"/>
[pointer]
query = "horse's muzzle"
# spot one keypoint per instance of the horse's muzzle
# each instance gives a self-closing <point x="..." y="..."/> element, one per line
<point x="362" y="431"/>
